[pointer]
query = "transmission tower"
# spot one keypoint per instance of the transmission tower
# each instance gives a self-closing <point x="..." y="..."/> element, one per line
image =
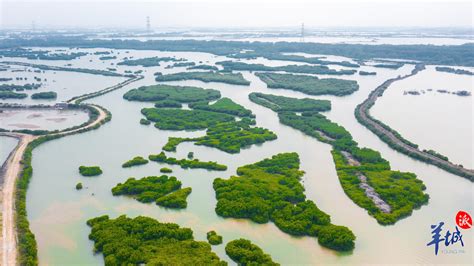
<point x="148" y="24"/>
<point x="302" y="33"/>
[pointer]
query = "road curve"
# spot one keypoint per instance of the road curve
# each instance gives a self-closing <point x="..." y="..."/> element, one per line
<point x="12" y="168"/>
<point x="396" y="141"/>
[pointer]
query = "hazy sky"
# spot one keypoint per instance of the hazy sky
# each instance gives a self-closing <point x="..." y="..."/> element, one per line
<point x="230" y="13"/>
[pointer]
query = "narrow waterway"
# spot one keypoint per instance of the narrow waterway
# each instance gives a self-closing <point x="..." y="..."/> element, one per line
<point x="58" y="213"/>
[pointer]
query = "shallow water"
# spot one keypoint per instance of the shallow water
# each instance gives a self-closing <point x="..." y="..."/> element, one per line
<point x="439" y="121"/>
<point x="41" y="119"/>
<point x="58" y="219"/>
<point x="65" y="84"/>
<point x="6" y="146"/>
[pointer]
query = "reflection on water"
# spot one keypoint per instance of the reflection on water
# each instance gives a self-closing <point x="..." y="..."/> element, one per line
<point x="58" y="219"/>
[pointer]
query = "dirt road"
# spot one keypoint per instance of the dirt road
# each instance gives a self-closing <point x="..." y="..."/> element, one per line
<point x="12" y="169"/>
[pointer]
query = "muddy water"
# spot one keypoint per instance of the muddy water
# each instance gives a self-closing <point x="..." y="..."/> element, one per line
<point x="434" y="120"/>
<point x="58" y="212"/>
<point x="6" y="146"/>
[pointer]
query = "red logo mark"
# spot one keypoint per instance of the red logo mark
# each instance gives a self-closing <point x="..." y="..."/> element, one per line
<point x="463" y="220"/>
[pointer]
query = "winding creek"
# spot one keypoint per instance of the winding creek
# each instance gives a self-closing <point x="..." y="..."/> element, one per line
<point x="57" y="212"/>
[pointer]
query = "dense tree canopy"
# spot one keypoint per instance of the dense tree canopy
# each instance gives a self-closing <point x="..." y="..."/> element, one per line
<point x="143" y="240"/>
<point x="245" y="253"/>
<point x="311" y="85"/>
<point x="182" y="94"/>
<point x="185" y="163"/>
<point x="270" y="190"/>
<point x="230" y="137"/>
<point x="138" y="160"/>
<point x="148" y="62"/>
<point x="165" y="191"/>
<point x="179" y="119"/>
<point x="44" y="95"/>
<point x="90" y="170"/>
<point x="282" y="103"/>
<point x="306" y="69"/>
<point x="213" y="238"/>
<point x="224" y="105"/>
<point x="210" y="76"/>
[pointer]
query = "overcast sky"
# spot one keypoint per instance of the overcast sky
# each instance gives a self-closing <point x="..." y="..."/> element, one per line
<point x="231" y="13"/>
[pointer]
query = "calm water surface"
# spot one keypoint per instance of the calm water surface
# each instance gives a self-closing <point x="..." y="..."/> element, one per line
<point x="58" y="212"/>
<point x="439" y="121"/>
<point x="6" y="146"/>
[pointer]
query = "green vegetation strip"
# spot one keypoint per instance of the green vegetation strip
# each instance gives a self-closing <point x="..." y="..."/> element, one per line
<point x="179" y="119"/>
<point x="229" y="137"/>
<point x="282" y="103"/>
<point x="12" y="95"/>
<point x="44" y="95"/>
<point x="454" y="55"/>
<point x="148" y="62"/>
<point x="454" y="71"/>
<point x="244" y="252"/>
<point x="223" y="105"/>
<point x="307" y="69"/>
<point x="14" y="87"/>
<point x="270" y="190"/>
<point x="163" y="190"/>
<point x="146" y="241"/>
<point x="134" y="162"/>
<point x="185" y="164"/>
<point x="358" y="168"/>
<point x="70" y="69"/>
<point x="182" y="94"/>
<point x="211" y="76"/>
<point x="309" y="84"/>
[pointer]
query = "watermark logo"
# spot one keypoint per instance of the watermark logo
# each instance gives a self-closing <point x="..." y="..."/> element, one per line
<point x="463" y="220"/>
<point x="450" y="237"/>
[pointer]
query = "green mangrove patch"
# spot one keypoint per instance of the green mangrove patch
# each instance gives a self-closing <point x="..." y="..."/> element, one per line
<point x="365" y="176"/>
<point x="182" y="94"/>
<point x="179" y="119"/>
<point x="213" y="238"/>
<point x="90" y="170"/>
<point x="209" y="76"/>
<point x="148" y="62"/>
<point x="223" y="105"/>
<point x="143" y="240"/>
<point x="270" y="190"/>
<point x="138" y="160"/>
<point x="244" y="252"/>
<point x="309" y="84"/>
<point x="163" y="190"/>
<point x="185" y="164"/>
<point x="229" y="137"/>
